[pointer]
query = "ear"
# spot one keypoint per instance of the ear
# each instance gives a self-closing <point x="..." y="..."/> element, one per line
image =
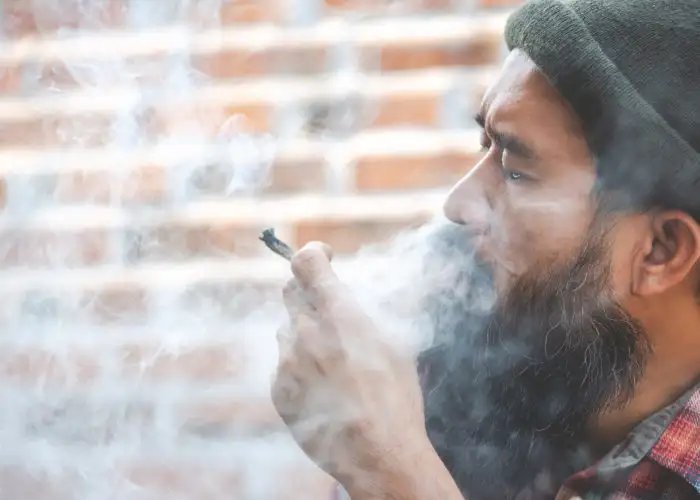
<point x="671" y="249"/>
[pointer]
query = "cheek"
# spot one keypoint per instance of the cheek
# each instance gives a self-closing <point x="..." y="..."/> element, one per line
<point x="525" y="236"/>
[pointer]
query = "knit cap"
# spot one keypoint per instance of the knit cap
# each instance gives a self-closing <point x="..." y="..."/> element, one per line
<point x="631" y="71"/>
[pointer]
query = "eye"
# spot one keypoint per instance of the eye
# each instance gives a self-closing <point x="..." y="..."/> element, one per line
<point x="510" y="175"/>
<point x="499" y="154"/>
<point x="513" y="176"/>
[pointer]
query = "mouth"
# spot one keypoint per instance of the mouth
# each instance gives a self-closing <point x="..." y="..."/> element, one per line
<point x="489" y="255"/>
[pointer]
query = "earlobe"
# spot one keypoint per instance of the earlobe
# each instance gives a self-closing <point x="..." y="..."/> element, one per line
<point x="671" y="250"/>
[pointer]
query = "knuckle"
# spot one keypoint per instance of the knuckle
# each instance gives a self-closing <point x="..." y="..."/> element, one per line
<point x="290" y="288"/>
<point x="307" y="257"/>
<point x="306" y="331"/>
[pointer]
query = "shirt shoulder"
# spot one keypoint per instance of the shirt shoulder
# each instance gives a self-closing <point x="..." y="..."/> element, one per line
<point x="678" y="448"/>
<point x="660" y="459"/>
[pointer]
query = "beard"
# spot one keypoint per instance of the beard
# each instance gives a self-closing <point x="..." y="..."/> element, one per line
<point x="511" y="386"/>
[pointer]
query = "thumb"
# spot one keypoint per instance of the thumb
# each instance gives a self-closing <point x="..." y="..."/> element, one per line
<point x="312" y="267"/>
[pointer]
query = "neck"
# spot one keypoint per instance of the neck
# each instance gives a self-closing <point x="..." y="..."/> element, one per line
<point x="673" y="369"/>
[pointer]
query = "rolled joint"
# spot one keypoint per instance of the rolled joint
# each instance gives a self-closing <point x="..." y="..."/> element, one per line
<point x="276" y="245"/>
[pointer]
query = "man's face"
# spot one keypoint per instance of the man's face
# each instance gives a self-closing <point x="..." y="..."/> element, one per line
<point x="513" y="394"/>
<point x="528" y="199"/>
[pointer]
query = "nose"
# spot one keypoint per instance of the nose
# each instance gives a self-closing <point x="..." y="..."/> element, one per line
<point x="467" y="202"/>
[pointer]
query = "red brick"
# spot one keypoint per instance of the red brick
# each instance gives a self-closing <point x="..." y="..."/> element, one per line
<point x="252" y="11"/>
<point x="181" y="117"/>
<point x="231" y="64"/>
<point x="26" y="133"/>
<point x="415" y="110"/>
<point x="97" y="130"/>
<point x="86" y="131"/>
<point x="116" y="303"/>
<point x="188" y="479"/>
<point x="17" y="19"/>
<point x="91" y="73"/>
<point x="349" y="236"/>
<point x="37" y="366"/>
<point x="374" y="6"/>
<point x="300" y="61"/>
<point x="46" y="249"/>
<point x="386" y="173"/>
<point x="389" y="7"/>
<point x="358" y="112"/>
<point x="10" y="79"/>
<point x="489" y="4"/>
<point x="226" y="416"/>
<point x="336" y="115"/>
<point x="177" y="242"/>
<point x="82" y="186"/>
<point x="203" y="363"/>
<point x="52" y="17"/>
<point x="296" y="176"/>
<point x="147" y="184"/>
<point x="53" y="75"/>
<point x="438" y="5"/>
<point x="483" y="49"/>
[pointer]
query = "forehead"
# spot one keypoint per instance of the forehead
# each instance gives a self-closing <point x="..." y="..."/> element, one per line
<point x="521" y="89"/>
<point x="523" y="103"/>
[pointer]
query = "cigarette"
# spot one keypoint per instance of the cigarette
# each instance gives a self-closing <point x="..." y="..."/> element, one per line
<point x="273" y="243"/>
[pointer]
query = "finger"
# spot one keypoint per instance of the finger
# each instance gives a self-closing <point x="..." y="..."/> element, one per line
<point x="287" y="394"/>
<point x="296" y="299"/>
<point x="312" y="267"/>
<point x="285" y="343"/>
<point x="314" y="348"/>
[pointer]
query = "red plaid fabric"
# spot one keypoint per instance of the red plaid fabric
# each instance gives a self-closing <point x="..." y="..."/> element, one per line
<point x="660" y="460"/>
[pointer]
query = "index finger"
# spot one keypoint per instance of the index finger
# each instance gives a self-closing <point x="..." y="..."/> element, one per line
<point x="312" y="267"/>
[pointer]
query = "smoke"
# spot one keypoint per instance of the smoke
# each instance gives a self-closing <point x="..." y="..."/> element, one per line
<point x="133" y="365"/>
<point x="137" y="352"/>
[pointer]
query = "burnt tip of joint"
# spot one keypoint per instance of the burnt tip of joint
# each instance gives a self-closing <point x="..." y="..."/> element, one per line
<point x="268" y="235"/>
<point x="275" y="244"/>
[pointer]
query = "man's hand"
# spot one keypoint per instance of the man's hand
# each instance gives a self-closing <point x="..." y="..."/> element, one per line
<point x="347" y="397"/>
<point x="351" y="401"/>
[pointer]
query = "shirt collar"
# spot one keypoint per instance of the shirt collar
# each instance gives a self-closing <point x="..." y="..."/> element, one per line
<point x="670" y="437"/>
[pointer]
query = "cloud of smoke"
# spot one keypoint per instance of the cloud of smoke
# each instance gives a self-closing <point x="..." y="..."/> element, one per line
<point x="109" y="394"/>
<point x="173" y="381"/>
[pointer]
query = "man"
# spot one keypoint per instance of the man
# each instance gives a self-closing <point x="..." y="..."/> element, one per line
<point x="584" y="216"/>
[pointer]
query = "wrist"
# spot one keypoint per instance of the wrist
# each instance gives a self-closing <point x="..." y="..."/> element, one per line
<point x="390" y="470"/>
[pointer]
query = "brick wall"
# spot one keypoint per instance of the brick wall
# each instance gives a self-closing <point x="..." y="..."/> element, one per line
<point x="136" y="348"/>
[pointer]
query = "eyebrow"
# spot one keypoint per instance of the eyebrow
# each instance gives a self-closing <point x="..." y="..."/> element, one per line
<point x="507" y="141"/>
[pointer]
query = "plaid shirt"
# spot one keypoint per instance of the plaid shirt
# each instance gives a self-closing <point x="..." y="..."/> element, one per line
<point x="659" y="460"/>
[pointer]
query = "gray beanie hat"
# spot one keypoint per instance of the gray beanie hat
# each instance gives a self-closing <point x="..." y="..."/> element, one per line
<point x="631" y="71"/>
